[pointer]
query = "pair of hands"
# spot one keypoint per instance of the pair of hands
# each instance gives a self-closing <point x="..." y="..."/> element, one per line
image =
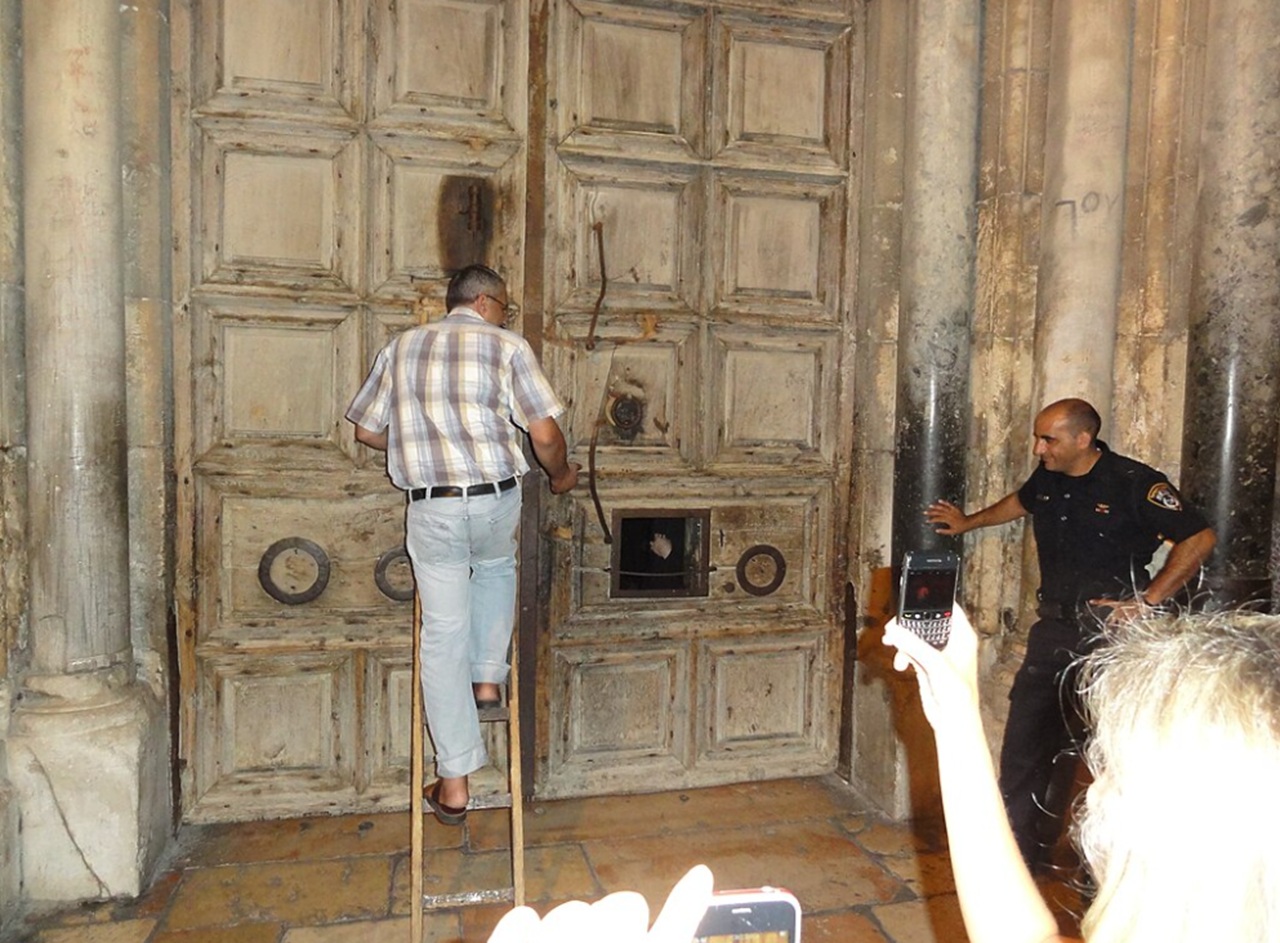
<point x="621" y="917"/>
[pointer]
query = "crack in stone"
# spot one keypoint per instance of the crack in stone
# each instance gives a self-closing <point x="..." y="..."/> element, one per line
<point x="57" y="804"/>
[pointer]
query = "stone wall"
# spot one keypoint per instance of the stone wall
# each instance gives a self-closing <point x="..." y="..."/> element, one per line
<point x="1089" y="154"/>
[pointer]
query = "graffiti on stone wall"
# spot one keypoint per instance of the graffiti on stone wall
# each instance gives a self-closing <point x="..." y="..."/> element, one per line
<point x="1089" y="204"/>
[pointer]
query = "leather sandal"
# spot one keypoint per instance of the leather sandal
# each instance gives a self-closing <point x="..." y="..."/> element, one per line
<point x="447" y="814"/>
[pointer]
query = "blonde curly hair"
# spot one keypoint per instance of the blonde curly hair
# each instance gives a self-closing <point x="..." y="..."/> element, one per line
<point x="1181" y="826"/>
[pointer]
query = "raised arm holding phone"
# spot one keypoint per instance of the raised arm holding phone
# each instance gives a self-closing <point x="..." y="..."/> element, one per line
<point x="1179" y="825"/>
<point x="998" y="898"/>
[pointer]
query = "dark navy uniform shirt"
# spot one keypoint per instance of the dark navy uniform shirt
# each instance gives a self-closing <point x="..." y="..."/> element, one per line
<point x="1096" y="533"/>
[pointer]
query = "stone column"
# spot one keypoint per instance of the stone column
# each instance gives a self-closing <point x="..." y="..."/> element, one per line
<point x="938" y="252"/>
<point x="869" y="745"/>
<point x="148" y="321"/>
<point x="148" y="317"/>
<point x="85" y="729"/>
<point x="1233" y="355"/>
<point x="924" y="415"/>
<point x="1083" y="227"/>
<point x="75" y="338"/>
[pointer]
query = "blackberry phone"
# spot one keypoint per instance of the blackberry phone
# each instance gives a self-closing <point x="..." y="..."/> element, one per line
<point x="927" y="594"/>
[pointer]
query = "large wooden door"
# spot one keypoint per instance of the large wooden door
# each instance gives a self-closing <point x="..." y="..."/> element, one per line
<point x="334" y="159"/>
<point x="701" y="151"/>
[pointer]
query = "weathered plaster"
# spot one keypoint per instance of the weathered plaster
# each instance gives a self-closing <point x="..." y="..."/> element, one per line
<point x="1083" y="209"/>
<point x="878" y="761"/>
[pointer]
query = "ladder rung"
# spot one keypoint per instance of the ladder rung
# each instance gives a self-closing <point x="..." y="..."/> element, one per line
<point x="495" y="800"/>
<point x="489" y="715"/>
<point x="497" y="895"/>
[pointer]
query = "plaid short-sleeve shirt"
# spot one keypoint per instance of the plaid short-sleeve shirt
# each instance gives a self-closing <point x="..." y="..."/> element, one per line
<point x="451" y="395"/>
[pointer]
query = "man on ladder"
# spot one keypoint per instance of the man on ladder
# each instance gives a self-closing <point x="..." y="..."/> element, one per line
<point x="444" y="401"/>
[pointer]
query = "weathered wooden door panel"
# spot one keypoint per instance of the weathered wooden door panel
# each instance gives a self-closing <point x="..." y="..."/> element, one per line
<point x="699" y="199"/>
<point x="339" y="159"/>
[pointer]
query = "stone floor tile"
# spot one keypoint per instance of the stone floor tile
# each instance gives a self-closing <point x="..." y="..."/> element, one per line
<point x="240" y="933"/>
<point x="935" y="920"/>
<point x="489" y="830"/>
<point x="899" y="839"/>
<point x="127" y="931"/>
<point x="555" y="873"/>
<point x="290" y="892"/>
<point x="925" y="874"/>
<point x="478" y="922"/>
<point x="393" y="930"/>
<point x="845" y="927"/>
<point x="558" y="873"/>
<point x="155" y="900"/>
<point x="306" y="839"/>
<point x="816" y="861"/>
<point x="856" y="822"/>
<point x="436" y="927"/>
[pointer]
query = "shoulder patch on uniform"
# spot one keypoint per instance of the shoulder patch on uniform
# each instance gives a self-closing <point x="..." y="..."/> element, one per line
<point x="1163" y="496"/>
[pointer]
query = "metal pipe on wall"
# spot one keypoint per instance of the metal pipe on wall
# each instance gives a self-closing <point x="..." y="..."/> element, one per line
<point x="938" y="255"/>
<point x="1233" y="353"/>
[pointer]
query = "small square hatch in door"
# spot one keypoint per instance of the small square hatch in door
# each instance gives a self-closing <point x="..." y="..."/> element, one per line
<point x="660" y="552"/>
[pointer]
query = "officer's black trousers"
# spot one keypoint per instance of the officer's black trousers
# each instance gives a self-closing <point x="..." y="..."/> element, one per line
<point x="1045" y="726"/>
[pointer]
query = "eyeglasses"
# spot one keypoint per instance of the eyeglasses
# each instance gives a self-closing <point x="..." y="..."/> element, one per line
<point x="510" y="308"/>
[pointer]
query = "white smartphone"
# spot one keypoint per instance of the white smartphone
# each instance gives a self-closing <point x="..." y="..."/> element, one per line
<point x="757" y="915"/>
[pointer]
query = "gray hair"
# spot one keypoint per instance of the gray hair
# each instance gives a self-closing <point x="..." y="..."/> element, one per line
<point x="1181" y="822"/>
<point x="470" y="283"/>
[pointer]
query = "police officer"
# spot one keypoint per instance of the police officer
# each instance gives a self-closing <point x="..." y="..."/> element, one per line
<point x="1098" y="518"/>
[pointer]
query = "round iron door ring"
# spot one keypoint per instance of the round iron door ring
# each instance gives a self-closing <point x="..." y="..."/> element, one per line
<point x="385" y="563"/>
<point x="749" y="561"/>
<point x="293" y="546"/>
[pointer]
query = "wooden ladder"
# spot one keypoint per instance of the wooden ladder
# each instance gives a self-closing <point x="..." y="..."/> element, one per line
<point x="508" y="714"/>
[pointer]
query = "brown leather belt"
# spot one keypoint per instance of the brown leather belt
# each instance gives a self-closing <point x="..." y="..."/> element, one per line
<point x="457" y="491"/>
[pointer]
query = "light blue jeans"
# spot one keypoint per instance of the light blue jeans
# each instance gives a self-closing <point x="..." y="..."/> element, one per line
<point x="464" y="561"/>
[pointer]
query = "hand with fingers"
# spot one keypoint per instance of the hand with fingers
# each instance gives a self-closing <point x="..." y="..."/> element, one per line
<point x="948" y="678"/>
<point x="947" y="518"/>
<point x="621" y="917"/>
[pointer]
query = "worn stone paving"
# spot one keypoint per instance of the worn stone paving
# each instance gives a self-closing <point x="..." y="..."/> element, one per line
<point x="859" y="877"/>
